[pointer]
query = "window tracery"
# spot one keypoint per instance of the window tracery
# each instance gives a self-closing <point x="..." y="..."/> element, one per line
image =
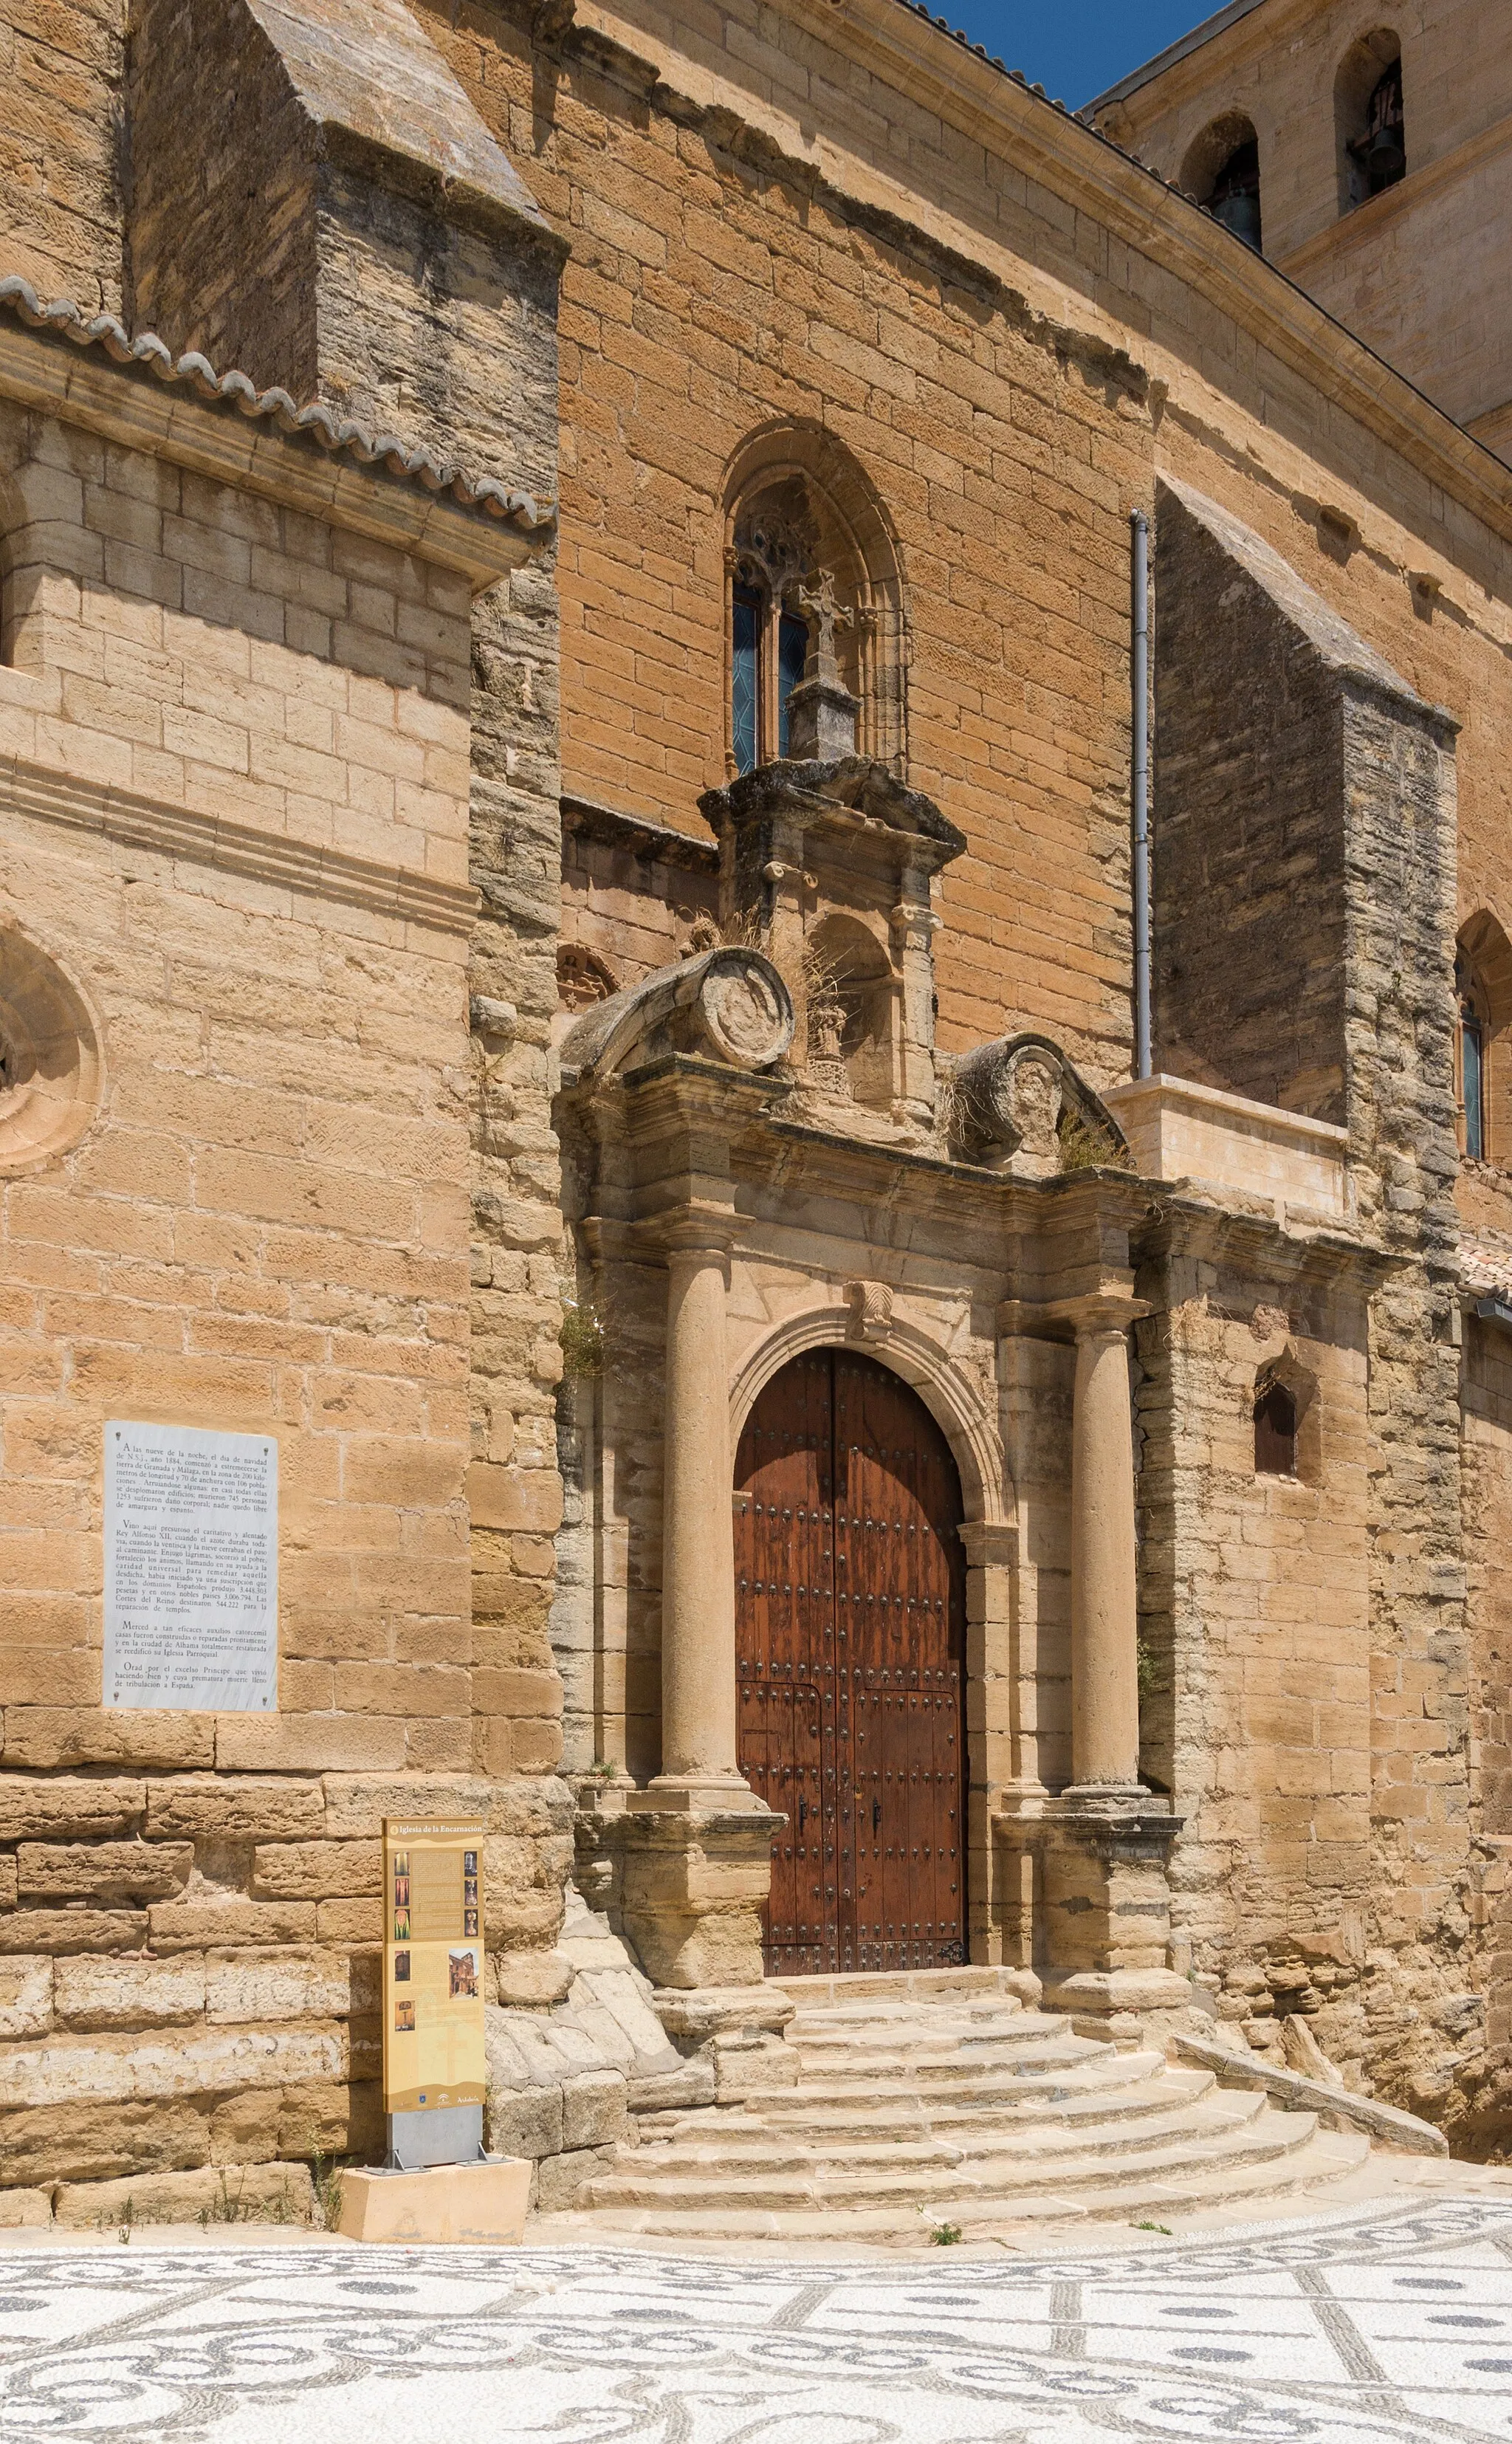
<point x="813" y="607"/>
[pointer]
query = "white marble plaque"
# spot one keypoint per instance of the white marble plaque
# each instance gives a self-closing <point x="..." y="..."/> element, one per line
<point x="190" y="1570"/>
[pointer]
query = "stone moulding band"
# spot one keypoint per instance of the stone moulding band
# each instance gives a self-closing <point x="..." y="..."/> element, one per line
<point x="328" y="874"/>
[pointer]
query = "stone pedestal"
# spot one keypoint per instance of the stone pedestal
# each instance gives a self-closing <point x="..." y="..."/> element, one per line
<point x="483" y="2204"/>
<point x="692" y="1886"/>
<point x="1091" y="1871"/>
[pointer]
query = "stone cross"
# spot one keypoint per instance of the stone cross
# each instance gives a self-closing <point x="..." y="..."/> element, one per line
<point x="825" y="614"/>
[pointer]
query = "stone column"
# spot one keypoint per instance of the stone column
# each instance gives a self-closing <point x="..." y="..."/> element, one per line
<point x="1104" y="1614"/>
<point x="699" y="1700"/>
<point x="698" y="1547"/>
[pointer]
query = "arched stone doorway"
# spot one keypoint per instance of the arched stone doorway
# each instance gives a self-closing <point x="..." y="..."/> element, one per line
<point x="850" y="1608"/>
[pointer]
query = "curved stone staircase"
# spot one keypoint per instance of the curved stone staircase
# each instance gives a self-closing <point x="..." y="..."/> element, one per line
<point x="886" y="2117"/>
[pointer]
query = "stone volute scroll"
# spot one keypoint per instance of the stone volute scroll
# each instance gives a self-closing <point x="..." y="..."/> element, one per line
<point x="1015" y="1103"/>
<point x="729" y="1006"/>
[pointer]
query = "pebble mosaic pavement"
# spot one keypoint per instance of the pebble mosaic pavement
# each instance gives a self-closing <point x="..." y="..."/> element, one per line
<point x="1373" y="2324"/>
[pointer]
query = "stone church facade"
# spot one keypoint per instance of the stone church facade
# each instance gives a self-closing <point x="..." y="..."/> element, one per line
<point x="568" y="951"/>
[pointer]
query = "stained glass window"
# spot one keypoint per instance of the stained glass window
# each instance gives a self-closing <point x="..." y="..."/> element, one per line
<point x="744" y="665"/>
<point x="792" y="653"/>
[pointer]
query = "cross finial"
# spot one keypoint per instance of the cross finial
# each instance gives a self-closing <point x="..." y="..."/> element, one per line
<point x="826" y="615"/>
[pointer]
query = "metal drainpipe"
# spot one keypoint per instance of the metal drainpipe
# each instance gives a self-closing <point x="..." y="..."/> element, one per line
<point x="1139" y="680"/>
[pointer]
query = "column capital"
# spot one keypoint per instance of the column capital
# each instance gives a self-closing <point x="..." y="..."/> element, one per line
<point x="1089" y="1317"/>
<point x="690" y="1232"/>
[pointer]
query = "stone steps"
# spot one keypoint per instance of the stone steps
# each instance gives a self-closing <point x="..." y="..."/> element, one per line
<point x="1172" y="2153"/>
<point x="960" y="2116"/>
<point x="1323" y="2161"/>
<point x="886" y="2115"/>
<point x="752" y="2151"/>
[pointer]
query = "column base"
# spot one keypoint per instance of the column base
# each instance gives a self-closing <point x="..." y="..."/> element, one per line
<point x="1092" y="1869"/>
<point x="682" y="1794"/>
<point x="693" y="1884"/>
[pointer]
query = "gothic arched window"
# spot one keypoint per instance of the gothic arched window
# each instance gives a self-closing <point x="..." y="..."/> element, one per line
<point x="813" y="618"/>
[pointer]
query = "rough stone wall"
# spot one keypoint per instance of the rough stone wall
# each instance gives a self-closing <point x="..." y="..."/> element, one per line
<point x="1248" y="918"/>
<point x="265" y="1229"/>
<point x="62" y="73"/>
<point x="1487" y="1481"/>
<point x="436" y="312"/>
<point x="1255" y="1612"/>
<point x="1374" y="1866"/>
<point x="221" y="230"/>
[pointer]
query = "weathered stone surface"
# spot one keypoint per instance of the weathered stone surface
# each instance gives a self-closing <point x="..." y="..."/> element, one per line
<point x="1383" y="2121"/>
<point x="594" y="2109"/>
<point x="234" y="1808"/>
<point x="73" y="1930"/>
<point x="25" y="1995"/>
<point x="674" y="2090"/>
<point x="527" y="1499"/>
<point x="318" y="1870"/>
<point x="525" y="2124"/>
<point x="249" y="1985"/>
<point x="528" y="1979"/>
<point x="90" y="2142"/>
<point x="746" y="2063"/>
<point x="92" y="1993"/>
<point x="714" y="2011"/>
<point x="83" y="2070"/>
<point x="194" y="1925"/>
<point x="249" y="2193"/>
<point x="105" y="1871"/>
<point x="68" y="1807"/>
<point x="24" y="2209"/>
<point x="562" y="2181"/>
<point x="355" y="1804"/>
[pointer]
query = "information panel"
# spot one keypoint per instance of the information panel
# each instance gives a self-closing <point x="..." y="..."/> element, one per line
<point x="432" y="1965"/>
<point x="190" y="1570"/>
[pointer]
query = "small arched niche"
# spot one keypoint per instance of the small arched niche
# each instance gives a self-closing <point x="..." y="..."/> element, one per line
<point x="1369" y="118"/>
<point x="813" y="592"/>
<point x="50" y="1066"/>
<point x="1482" y="1012"/>
<point x="1222" y="170"/>
<point x="852" y="1013"/>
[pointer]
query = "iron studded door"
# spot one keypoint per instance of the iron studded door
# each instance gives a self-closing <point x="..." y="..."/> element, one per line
<point x="851" y="1637"/>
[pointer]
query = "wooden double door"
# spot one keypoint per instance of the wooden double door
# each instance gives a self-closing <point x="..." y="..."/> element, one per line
<point x="850" y="1609"/>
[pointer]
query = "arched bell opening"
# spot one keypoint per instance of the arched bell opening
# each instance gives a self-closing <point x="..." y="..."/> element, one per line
<point x="851" y="1651"/>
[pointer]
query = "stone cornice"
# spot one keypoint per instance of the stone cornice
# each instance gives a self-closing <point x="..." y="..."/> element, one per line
<point x="1043" y="142"/>
<point x="132" y="392"/>
<point x="328" y="874"/>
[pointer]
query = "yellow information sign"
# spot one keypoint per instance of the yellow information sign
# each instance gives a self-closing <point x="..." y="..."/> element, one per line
<point x="432" y="1964"/>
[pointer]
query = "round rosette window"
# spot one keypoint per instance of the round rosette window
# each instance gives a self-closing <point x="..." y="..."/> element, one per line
<point x="50" y="1066"/>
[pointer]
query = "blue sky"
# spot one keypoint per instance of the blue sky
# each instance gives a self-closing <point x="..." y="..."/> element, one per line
<point x="1075" y="48"/>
